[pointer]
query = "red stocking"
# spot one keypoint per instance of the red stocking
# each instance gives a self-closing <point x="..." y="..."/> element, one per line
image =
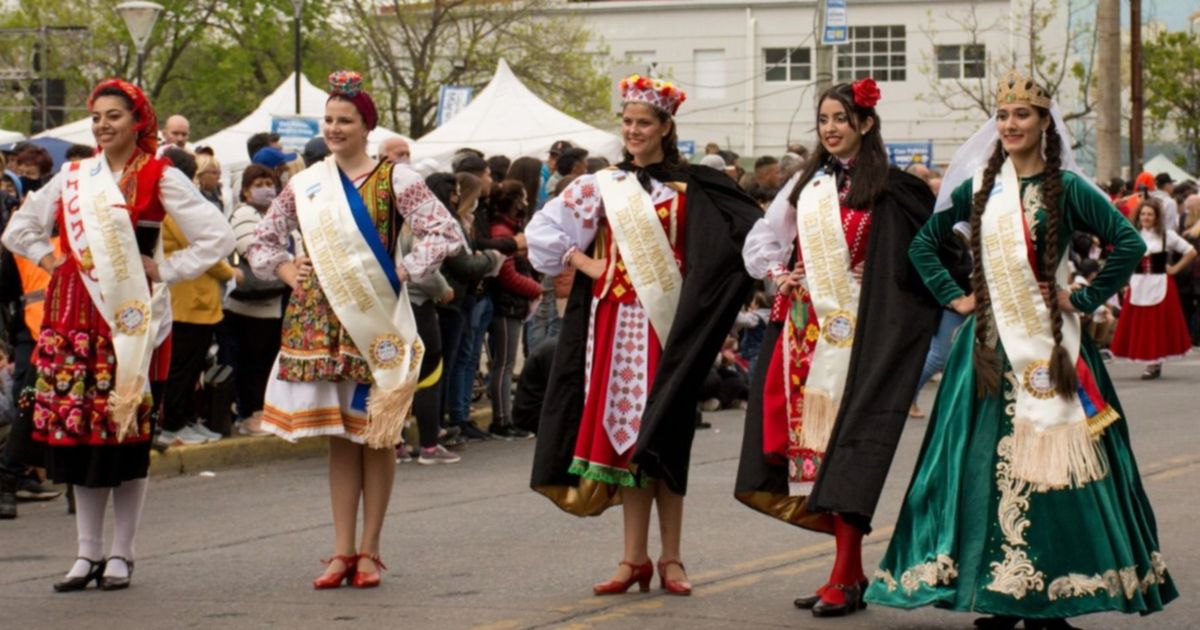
<point x="847" y="564"/>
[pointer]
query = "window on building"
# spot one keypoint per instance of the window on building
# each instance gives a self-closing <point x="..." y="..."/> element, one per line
<point x="788" y="64"/>
<point x="961" y="62"/>
<point x="876" y="51"/>
<point x="710" y="74"/>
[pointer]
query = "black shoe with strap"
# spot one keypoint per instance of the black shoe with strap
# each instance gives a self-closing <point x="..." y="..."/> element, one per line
<point x="94" y="572"/>
<point x="998" y="622"/>
<point x="807" y="603"/>
<point x="117" y="583"/>
<point x="854" y="602"/>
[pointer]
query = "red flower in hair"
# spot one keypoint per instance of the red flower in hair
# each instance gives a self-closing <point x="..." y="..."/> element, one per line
<point x="866" y="93"/>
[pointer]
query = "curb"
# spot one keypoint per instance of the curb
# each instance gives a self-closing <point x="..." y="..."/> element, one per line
<point x="239" y="450"/>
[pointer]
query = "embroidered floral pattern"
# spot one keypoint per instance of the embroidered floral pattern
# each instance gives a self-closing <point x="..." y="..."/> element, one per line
<point x="1113" y="582"/>
<point x="1015" y="575"/>
<point x="942" y="570"/>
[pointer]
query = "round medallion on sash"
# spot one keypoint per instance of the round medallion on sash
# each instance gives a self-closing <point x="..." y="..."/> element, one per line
<point x="1037" y="381"/>
<point x="838" y="328"/>
<point x="385" y="350"/>
<point x="132" y="317"/>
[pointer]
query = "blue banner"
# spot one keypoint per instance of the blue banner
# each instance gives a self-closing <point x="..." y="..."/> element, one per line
<point x="452" y="99"/>
<point x="295" y="131"/>
<point x="687" y="148"/>
<point x="836" y="28"/>
<point x="905" y="154"/>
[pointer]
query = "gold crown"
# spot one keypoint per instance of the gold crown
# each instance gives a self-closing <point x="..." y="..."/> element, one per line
<point x="1017" y="88"/>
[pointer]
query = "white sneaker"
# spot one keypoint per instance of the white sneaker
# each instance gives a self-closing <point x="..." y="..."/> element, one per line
<point x="182" y="437"/>
<point x="437" y="455"/>
<point x="712" y="404"/>
<point x="207" y="433"/>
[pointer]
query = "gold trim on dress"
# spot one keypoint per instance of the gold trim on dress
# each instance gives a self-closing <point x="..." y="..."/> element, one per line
<point x="588" y="498"/>
<point x="942" y="570"/>
<point x="1015" y="575"/>
<point x="789" y="509"/>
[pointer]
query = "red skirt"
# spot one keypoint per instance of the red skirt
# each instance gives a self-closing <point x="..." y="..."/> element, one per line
<point x="624" y="357"/>
<point x="1149" y="334"/>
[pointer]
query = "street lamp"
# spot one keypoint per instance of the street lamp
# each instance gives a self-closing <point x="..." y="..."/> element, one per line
<point x="298" y="5"/>
<point x="139" y="18"/>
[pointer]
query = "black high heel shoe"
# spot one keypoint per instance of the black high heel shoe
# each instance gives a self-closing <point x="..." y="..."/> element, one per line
<point x="95" y="571"/>
<point x="854" y="602"/>
<point x="807" y="603"/>
<point x="117" y="583"/>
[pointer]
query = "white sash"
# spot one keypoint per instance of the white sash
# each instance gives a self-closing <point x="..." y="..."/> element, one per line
<point x="379" y="321"/>
<point x="645" y="250"/>
<point x="834" y="293"/>
<point x="1052" y="445"/>
<point x="102" y="239"/>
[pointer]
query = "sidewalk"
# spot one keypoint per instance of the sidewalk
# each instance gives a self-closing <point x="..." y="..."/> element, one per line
<point x="239" y="450"/>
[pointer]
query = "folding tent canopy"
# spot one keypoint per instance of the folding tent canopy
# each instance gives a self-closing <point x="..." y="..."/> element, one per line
<point x="507" y="119"/>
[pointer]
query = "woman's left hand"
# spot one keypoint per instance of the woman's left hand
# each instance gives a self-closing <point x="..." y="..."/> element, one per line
<point x="151" y="268"/>
<point x="857" y="271"/>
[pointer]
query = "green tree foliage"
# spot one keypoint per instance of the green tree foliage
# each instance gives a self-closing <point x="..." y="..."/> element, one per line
<point x="1172" y="76"/>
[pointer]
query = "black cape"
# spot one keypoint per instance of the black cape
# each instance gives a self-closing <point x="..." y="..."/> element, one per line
<point x="715" y="286"/>
<point x="896" y="319"/>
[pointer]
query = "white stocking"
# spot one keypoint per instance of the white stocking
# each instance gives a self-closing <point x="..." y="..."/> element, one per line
<point x="128" y="499"/>
<point x="89" y="524"/>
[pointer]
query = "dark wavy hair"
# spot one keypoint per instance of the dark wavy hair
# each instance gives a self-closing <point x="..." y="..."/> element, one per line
<point x="527" y="171"/>
<point x="508" y="199"/>
<point x="670" y="142"/>
<point x="871" y="163"/>
<point x="987" y="362"/>
<point x="1160" y="226"/>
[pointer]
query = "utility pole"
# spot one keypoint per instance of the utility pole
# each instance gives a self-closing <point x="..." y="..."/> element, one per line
<point x="1136" y="88"/>
<point x="824" y="69"/>
<point x="1108" y="89"/>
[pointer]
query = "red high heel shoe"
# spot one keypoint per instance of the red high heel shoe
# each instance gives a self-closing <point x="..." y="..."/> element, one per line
<point x="368" y="580"/>
<point x="639" y="574"/>
<point x="674" y="587"/>
<point x="334" y="580"/>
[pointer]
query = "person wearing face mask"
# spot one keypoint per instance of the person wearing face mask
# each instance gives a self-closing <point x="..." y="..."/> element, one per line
<point x="846" y="340"/>
<point x="254" y="311"/>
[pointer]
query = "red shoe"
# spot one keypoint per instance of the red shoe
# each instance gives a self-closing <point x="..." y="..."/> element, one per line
<point x="640" y="574"/>
<point x="368" y="580"/>
<point x="334" y="580"/>
<point x="681" y="587"/>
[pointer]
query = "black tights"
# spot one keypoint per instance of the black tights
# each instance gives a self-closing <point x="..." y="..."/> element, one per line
<point x="427" y="404"/>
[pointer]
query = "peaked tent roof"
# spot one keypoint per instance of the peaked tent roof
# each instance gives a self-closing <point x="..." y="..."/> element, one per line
<point x="78" y="132"/>
<point x="229" y="144"/>
<point x="1162" y="164"/>
<point x="7" y="136"/>
<point x="505" y="118"/>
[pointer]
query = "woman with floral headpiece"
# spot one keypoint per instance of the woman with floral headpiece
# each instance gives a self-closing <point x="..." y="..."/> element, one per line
<point x="847" y="338"/>
<point x="1026" y="502"/>
<point x="657" y="244"/>
<point x="350" y="357"/>
<point x="103" y="352"/>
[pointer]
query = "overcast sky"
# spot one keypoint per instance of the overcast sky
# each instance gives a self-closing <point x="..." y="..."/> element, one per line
<point x="1173" y="13"/>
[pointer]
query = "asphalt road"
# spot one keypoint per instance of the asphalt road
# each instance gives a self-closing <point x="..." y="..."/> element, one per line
<point x="470" y="546"/>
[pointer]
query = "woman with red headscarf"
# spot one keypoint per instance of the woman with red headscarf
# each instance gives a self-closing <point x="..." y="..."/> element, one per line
<point x="350" y="360"/>
<point x="102" y="353"/>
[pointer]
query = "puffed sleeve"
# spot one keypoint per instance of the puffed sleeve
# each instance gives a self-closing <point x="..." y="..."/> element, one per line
<point x="436" y="233"/>
<point x="1177" y="244"/>
<point x="769" y="243"/>
<point x="272" y="235"/>
<point x="29" y="229"/>
<point x="209" y="236"/>
<point x="566" y="223"/>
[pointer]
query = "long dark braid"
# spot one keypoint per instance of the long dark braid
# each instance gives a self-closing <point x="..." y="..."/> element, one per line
<point x="1062" y="371"/>
<point x="987" y="363"/>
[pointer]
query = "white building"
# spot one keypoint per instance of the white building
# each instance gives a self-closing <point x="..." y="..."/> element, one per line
<point x="748" y="66"/>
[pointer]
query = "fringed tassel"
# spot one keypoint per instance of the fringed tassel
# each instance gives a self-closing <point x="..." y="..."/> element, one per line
<point x="1061" y="457"/>
<point x="820" y="412"/>
<point x="123" y="407"/>
<point x="386" y="413"/>
<point x="1101" y="421"/>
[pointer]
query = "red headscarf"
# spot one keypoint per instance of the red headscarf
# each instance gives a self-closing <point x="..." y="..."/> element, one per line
<point x="146" y="121"/>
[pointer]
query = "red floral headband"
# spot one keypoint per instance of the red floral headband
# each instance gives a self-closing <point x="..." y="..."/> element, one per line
<point x="866" y="93"/>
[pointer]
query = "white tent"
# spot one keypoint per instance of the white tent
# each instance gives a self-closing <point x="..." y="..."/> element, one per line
<point x="507" y="119"/>
<point x="78" y="132"/>
<point x="7" y="136"/>
<point x="229" y="144"/>
<point x="1162" y="164"/>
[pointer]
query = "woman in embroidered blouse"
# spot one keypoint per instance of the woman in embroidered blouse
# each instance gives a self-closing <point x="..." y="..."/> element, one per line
<point x="975" y="532"/>
<point x="617" y="422"/>
<point x="320" y="374"/>
<point x="829" y="482"/>
<point x="1152" y="327"/>
<point x="74" y="360"/>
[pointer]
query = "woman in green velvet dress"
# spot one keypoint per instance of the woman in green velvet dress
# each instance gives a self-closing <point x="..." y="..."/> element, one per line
<point x="973" y="535"/>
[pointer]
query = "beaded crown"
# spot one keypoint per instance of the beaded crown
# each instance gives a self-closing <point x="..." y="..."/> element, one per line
<point x="346" y="82"/>
<point x="1017" y="88"/>
<point x="654" y="92"/>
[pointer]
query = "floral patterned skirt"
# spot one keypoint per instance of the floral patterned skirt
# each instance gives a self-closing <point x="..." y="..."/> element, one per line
<point x="315" y="346"/>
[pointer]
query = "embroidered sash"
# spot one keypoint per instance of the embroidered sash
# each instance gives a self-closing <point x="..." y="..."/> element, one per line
<point x="1052" y="445"/>
<point x="101" y="237"/>
<point x="834" y="294"/>
<point x="645" y="250"/>
<point x="359" y="279"/>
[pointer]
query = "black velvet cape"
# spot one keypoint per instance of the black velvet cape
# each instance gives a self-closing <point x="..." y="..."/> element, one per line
<point x="897" y="317"/>
<point x="715" y="287"/>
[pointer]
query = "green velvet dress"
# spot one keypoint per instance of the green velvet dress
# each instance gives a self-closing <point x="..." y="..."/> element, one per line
<point x="972" y="538"/>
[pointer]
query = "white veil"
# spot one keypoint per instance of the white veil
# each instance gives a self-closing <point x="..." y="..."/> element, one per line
<point x="975" y="152"/>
